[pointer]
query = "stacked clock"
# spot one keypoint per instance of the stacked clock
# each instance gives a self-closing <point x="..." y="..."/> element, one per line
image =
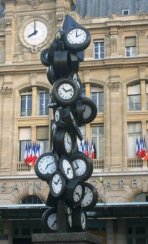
<point x="66" y="169"/>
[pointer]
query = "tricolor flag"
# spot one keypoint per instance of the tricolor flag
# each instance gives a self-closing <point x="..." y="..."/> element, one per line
<point x="137" y="147"/>
<point x="32" y="152"/>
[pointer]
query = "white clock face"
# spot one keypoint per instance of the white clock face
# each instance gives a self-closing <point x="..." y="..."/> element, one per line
<point x="65" y="91"/>
<point x="67" y="169"/>
<point x="52" y="221"/>
<point x="77" y="194"/>
<point x="47" y="165"/>
<point x="76" y="36"/>
<point x="57" y="184"/>
<point x="35" y="33"/>
<point x="67" y="142"/>
<point x="86" y="111"/>
<point x="88" y="197"/>
<point x="79" y="166"/>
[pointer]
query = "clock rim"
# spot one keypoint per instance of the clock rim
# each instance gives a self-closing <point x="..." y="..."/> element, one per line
<point x="28" y="21"/>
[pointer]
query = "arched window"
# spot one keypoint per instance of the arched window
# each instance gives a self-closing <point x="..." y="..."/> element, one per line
<point x="32" y="199"/>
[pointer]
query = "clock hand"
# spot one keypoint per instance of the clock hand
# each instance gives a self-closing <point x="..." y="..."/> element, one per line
<point x="54" y="223"/>
<point x="33" y="33"/>
<point x="49" y="164"/>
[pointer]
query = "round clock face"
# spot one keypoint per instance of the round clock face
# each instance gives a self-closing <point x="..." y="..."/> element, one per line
<point x="68" y="142"/>
<point x="49" y="220"/>
<point x="46" y="165"/>
<point x="90" y="196"/>
<point x="65" y="91"/>
<point x="83" y="165"/>
<point x="66" y="168"/>
<point x="57" y="184"/>
<point x="35" y="33"/>
<point x="76" y="36"/>
<point x="77" y="39"/>
<point x="77" y="194"/>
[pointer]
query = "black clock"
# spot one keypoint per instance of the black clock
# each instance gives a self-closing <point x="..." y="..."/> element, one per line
<point x="49" y="220"/>
<point x="51" y="76"/>
<point x="79" y="219"/>
<point x="46" y="165"/>
<point x="74" y="192"/>
<point x="83" y="165"/>
<point x="90" y="196"/>
<point x="77" y="39"/>
<point x="57" y="184"/>
<point x="71" y="122"/>
<point x="86" y="111"/>
<point x="63" y="141"/>
<point x="65" y="91"/>
<point x="66" y="168"/>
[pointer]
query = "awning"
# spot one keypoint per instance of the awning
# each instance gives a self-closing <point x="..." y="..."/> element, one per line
<point x="101" y="210"/>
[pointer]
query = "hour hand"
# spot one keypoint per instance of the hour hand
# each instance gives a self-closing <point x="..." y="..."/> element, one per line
<point x="33" y="33"/>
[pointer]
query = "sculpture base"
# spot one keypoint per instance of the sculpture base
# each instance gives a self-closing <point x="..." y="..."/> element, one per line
<point x="63" y="238"/>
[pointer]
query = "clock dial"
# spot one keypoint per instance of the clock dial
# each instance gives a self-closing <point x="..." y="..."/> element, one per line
<point x="74" y="192"/>
<point x="76" y="36"/>
<point x="83" y="165"/>
<point x="68" y="142"/>
<point x="57" y="184"/>
<point x="49" y="220"/>
<point x="65" y="91"/>
<point x="77" y="39"/>
<point x="66" y="168"/>
<point x="46" y="165"/>
<point x="90" y="196"/>
<point x="86" y="110"/>
<point x="77" y="194"/>
<point x="35" y="33"/>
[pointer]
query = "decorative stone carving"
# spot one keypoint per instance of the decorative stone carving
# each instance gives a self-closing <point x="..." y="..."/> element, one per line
<point x="114" y="86"/>
<point x="34" y="3"/>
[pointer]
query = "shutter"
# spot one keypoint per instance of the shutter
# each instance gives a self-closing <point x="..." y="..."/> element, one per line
<point x="42" y="133"/>
<point x="24" y="134"/>
<point x="133" y="90"/>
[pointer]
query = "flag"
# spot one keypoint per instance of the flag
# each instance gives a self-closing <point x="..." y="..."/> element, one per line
<point x="92" y="155"/>
<point x="32" y="152"/>
<point x="137" y="147"/>
<point x="86" y="150"/>
<point x="26" y="153"/>
<point x="142" y="152"/>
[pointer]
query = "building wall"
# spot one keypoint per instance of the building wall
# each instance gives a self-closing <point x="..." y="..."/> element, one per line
<point x="117" y="177"/>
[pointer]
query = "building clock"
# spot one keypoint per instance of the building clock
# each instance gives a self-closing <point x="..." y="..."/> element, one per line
<point x="34" y="33"/>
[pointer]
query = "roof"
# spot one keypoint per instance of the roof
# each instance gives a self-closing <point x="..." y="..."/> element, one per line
<point x="102" y="8"/>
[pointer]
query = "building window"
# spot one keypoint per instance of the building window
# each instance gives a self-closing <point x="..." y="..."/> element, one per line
<point x="97" y="95"/>
<point x="125" y="12"/>
<point x="30" y="200"/>
<point x="43" y="101"/>
<point x="26" y="103"/>
<point x="130" y="46"/>
<point x="134" y="133"/>
<point x="97" y="133"/>
<point x="24" y="137"/>
<point x="134" y="97"/>
<point x="42" y="137"/>
<point x="99" y="49"/>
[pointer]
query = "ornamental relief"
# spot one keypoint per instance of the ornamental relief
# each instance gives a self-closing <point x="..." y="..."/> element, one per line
<point x="34" y="3"/>
<point x="114" y="86"/>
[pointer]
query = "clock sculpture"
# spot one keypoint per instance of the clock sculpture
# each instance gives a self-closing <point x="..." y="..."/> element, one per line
<point x="65" y="168"/>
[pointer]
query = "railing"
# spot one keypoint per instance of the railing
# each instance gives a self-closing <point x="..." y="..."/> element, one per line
<point x="97" y="165"/>
<point x="21" y="166"/>
<point x="135" y="163"/>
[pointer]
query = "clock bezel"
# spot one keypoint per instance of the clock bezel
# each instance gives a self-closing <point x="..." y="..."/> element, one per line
<point x="24" y="25"/>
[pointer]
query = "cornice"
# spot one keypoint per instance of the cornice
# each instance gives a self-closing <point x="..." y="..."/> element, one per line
<point x="21" y="68"/>
<point x="114" y="62"/>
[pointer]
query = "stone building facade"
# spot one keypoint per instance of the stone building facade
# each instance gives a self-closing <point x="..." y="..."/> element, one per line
<point x="115" y="75"/>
